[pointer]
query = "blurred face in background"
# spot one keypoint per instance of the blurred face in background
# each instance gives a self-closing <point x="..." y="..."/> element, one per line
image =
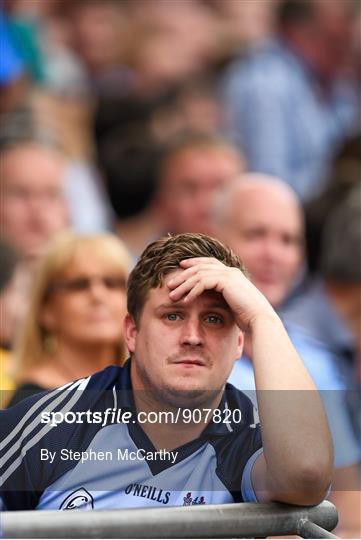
<point x="262" y="223"/>
<point x="173" y="41"/>
<point x="246" y="21"/>
<point x="325" y="40"/>
<point x="32" y="207"/>
<point x="333" y="35"/>
<point x="86" y="305"/>
<point x="189" y="181"/>
<point x="99" y="33"/>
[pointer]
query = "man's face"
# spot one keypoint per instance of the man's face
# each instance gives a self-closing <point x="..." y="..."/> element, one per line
<point x="190" y="181"/>
<point x="32" y="201"/>
<point x="183" y="354"/>
<point x="332" y="36"/>
<point x="266" y="232"/>
<point x="326" y="40"/>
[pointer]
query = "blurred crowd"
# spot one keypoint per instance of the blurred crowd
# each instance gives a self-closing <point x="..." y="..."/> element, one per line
<point x="124" y="120"/>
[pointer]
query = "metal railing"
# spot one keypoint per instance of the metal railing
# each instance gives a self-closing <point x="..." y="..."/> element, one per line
<point x="243" y="520"/>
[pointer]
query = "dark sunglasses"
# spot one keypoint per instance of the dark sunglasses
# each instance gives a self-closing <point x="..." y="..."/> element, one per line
<point x="83" y="283"/>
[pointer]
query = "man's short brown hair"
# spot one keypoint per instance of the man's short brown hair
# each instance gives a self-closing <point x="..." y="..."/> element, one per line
<point x="163" y="256"/>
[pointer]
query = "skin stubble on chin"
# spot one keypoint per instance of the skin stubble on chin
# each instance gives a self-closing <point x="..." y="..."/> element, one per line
<point x="176" y="395"/>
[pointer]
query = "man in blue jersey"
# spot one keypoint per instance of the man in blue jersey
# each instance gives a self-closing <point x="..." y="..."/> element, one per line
<point x="165" y="430"/>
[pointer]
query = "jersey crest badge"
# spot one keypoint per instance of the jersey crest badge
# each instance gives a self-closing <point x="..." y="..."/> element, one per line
<point x="78" y="500"/>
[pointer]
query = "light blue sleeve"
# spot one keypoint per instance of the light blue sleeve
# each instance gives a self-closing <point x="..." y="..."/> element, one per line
<point x="247" y="489"/>
<point x="257" y="118"/>
<point x="322" y="366"/>
<point x="347" y="450"/>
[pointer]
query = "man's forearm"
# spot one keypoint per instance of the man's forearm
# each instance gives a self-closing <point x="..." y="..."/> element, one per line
<point x="296" y="440"/>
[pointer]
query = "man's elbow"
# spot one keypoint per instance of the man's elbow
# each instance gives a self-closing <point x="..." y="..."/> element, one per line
<point x="311" y="482"/>
<point x="314" y="483"/>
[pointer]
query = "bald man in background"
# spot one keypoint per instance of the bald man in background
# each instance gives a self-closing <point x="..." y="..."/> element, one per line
<point x="260" y="218"/>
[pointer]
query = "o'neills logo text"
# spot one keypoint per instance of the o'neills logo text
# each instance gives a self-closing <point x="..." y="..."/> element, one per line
<point x="148" y="492"/>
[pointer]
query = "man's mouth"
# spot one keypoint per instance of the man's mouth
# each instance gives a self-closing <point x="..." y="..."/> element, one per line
<point x="268" y="278"/>
<point x="191" y="361"/>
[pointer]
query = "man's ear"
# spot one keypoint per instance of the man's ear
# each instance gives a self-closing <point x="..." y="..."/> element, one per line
<point x="130" y="332"/>
<point x="240" y="344"/>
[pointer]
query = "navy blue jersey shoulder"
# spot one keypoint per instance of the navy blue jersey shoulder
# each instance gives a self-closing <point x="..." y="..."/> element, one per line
<point x="24" y="433"/>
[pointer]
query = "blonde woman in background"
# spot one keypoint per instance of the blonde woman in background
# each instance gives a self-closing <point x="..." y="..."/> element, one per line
<point x="74" y="323"/>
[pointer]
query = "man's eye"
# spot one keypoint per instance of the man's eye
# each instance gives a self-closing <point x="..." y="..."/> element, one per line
<point x="253" y="234"/>
<point x="289" y="240"/>
<point x="172" y="316"/>
<point x="214" y="319"/>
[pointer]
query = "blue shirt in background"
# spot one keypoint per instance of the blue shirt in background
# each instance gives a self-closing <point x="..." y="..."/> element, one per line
<point x="283" y="121"/>
<point x="322" y="367"/>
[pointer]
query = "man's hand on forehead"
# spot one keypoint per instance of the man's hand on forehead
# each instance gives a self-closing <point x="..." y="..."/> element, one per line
<point x="199" y="274"/>
<point x="205" y="274"/>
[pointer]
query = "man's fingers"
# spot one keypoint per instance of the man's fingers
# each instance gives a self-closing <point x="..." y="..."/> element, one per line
<point x="196" y="291"/>
<point x="176" y="281"/>
<point x="206" y="265"/>
<point x="198" y="274"/>
<point x="184" y="288"/>
<point x="195" y="285"/>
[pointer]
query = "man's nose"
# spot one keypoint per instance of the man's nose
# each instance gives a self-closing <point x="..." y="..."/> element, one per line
<point x="192" y="333"/>
<point x="273" y="249"/>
